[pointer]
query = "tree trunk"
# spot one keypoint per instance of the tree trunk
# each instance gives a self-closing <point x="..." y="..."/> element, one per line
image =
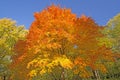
<point x="96" y="74"/>
<point x="4" y="77"/>
<point x="63" y="75"/>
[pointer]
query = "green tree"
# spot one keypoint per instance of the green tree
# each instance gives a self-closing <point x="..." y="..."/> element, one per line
<point x="10" y="33"/>
<point x="112" y="32"/>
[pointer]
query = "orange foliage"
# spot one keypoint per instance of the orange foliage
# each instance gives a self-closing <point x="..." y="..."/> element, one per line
<point x="57" y="34"/>
<point x="20" y="49"/>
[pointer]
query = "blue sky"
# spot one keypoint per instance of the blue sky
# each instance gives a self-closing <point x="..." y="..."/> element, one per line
<point x="22" y="10"/>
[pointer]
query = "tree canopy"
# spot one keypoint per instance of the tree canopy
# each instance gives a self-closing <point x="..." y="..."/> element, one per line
<point x="58" y="39"/>
<point x="10" y="33"/>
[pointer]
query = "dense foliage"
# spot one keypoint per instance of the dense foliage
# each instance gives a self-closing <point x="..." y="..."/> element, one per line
<point x="61" y="46"/>
<point x="58" y="40"/>
<point x="10" y="33"/>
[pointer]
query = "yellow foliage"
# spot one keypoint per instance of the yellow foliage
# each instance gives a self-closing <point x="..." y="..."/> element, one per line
<point x="32" y="73"/>
<point x="38" y="63"/>
<point x="105" y="41"/>
<point x="42" y="71"/>
<point x="65" y="63"/>
<point x="101" y="67"/>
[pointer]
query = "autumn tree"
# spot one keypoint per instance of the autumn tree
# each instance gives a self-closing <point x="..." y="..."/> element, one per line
<point x="49" y="41"/>
<point x="59" y="41"/>
<point x="91" y="45"/>
<point x="10" y="33"/>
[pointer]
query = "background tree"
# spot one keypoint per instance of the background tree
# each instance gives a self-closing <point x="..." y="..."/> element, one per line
<point x="112" y="32"/>
<point x="113" y="28"/>
<point x="91" y="47"/>
<point x="10" y="33"/>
